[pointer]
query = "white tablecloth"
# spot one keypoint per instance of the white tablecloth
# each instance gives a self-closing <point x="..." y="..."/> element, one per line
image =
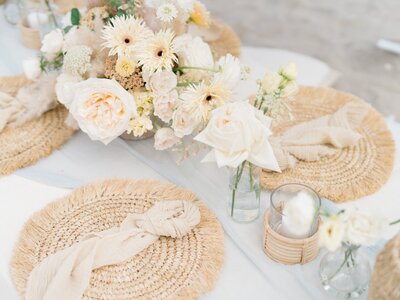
<point x="247" y="273"/>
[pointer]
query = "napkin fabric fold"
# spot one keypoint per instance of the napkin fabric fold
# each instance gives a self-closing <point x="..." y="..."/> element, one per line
<point x="65" y="275"/>
<point x="312" y="140"/>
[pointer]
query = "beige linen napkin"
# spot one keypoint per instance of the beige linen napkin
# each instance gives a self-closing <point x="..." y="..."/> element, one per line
<point x="65" y="275"/>
<point x="310" y="141"/>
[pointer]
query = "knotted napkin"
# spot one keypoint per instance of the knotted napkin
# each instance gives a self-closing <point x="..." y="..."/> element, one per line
<point x="312" y="140"/>
<point x="65" y="275"/>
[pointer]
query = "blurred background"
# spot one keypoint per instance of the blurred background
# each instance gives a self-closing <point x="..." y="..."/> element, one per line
<point x="342" y="33"/>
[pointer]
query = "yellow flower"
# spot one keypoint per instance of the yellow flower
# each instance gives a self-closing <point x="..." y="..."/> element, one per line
<point x="200" y="16"/>
<point x="125" y="67"/>
<point x="144" y="103"/>
<point x="140" y="125"/>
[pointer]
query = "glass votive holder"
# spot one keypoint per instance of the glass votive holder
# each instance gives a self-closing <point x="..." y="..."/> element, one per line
<point x="294" y="211"/>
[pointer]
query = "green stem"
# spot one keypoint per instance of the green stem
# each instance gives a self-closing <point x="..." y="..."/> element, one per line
<point x="239" y="172"/>
<point x="394" y="222"/>
<point x="180" y="68"/>
<point x="346" y="257"/>
<point x="184" y="84"/>
<point x="52" y="15"/>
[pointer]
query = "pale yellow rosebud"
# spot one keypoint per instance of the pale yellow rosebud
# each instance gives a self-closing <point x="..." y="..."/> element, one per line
<point x="290" y="71"/>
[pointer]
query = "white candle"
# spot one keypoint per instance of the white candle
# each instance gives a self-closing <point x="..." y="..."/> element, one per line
<point x="36" y="19"/>
<point x="298" y="216"/>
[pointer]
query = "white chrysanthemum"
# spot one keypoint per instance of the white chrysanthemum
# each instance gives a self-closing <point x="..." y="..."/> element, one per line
<point x="77" y="60"/>
<point x="125" y="67"/>
<point x="199" y="100"/>
<point x="123" y="34"/>
<point x="157" y="52"/>
<point x="167" y="12"/>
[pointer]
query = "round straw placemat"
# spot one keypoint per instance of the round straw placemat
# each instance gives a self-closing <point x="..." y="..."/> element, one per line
<point x="24" y="145"/>
<point x="168" y="269"/>
<point x="227" y="42"/>
<point x="352" y="172"/>
<point x="385" y="282"/>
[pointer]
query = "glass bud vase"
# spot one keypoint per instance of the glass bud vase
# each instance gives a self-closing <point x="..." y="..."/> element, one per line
<point x="244" y="193"/>
<point x="345" y="272"/>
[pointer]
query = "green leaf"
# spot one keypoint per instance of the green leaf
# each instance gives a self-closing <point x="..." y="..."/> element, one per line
<point x="120" y="12"/>
<point x="75" y="16"/>
<point x="68" y="28"/>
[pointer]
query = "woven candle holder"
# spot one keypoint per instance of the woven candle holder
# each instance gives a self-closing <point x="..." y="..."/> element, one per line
<point x="385" y="282"/>
<point x="30" y="36"/>
<point x="286" y="250"/>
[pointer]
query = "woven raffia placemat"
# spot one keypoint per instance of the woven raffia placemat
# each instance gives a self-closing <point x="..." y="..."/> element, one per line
<point x="385" y="282"/>
<point x="228" y="41"/>
<point x="168" y="269"/>
<point x="352" y="172"/>
<point x="24" y="145"/>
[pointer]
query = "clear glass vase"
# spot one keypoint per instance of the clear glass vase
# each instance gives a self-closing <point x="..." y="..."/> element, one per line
<point x="345" y="272"/>
<point x="244" y="193"/>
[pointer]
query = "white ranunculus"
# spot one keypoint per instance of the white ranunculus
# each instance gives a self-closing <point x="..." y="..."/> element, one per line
<point x="230" y="71"/>
<point x="193" y="51"/>
<point x="163" y="82"/>
<point x="363" y="229"/>
<point x="52" y="43"/>
<point x="290" y="71"/>
<point x="102" y="108"/>
<point x="31" y="68"/>
<point x="238" y="132"/>
<point x="64" y="88"/>
<point x="331" y="233"/>
<point x="183" y="122"/>
<point x="270" y="83"/>
<point x="164" y="105"/>
<point x="165" y="138"/>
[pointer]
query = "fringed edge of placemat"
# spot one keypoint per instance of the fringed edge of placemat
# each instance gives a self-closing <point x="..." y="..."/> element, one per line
<point x="24" y="260"/>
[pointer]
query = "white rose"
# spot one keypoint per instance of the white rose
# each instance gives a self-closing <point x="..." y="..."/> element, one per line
<point x="163" y="82"/>
<point x="164" y="105"/>
<point x="238" y="133"/>
<point x="193" y="51"/>
<point x="270" y="83"/>
<point x="331" y="233"/>
<point x="31" y="68"/>
<point x="290" y="71"/>
<point x="363" y="229"/>
<point x="165" y="138"/>
<point x="183" y="122"/>
<point x="52" y="43"/>
<point x="102" y="108"/>
<point x="64" y="88"/>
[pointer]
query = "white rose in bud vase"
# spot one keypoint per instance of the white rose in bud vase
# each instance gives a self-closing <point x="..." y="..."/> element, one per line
<point x="331" y="233"/>
<point x="102" y="108"/>
<point x="363" y="229"/>
<point x="31" y="68"/>
<point x="52" y="43"/>
<point x="238" y="132"/>
<point x="165" y="138"/>
<point x="163" y="82"/>
<point x="290" y="71"/>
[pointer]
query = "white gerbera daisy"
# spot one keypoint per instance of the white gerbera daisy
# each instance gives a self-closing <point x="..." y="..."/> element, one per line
<point x="167" y="12"/>
<point x="123" y="33"/>
<point x="157" y="52"/>
<point x="199" y="100"/>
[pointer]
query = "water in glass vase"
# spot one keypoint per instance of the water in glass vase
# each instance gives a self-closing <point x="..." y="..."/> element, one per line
<point x="345" y="272"/>
<point x="244" y="193"/>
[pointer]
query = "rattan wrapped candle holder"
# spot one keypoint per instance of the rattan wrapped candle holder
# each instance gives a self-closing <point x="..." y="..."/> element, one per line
<point x="286" y="250"/>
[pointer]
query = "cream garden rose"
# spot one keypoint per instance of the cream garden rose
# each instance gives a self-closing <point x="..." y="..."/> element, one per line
<point x="331" y="233"/>
<point x="165" y="138"/>
<point x="52" y="43"/>
<point x="102" y="108"/>
<point x="363" y="229"/>
<point x="238" y="132"/>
